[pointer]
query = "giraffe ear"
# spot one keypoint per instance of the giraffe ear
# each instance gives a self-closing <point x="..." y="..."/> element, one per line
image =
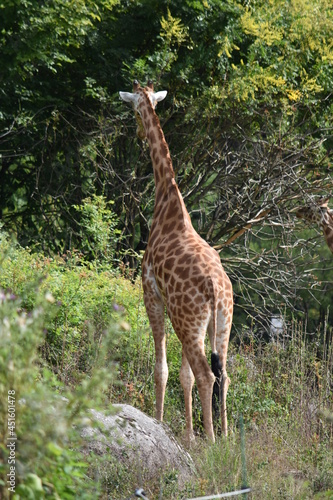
<point x="159" y="96"/>
<point x="127" y="96"/>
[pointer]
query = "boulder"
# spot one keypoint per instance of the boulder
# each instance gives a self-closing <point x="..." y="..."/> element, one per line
<point x="138" y="441"/>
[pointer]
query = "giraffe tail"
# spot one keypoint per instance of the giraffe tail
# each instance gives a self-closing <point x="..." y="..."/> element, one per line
<point x="217" y="371"/>
<point x="215" y="359"/>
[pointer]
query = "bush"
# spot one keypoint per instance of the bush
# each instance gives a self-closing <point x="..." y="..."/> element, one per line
<point x="88" y="300"/>
<point x="98" y="229"/>
<point x="38" y="414"/>
<point x="36" y="407"/>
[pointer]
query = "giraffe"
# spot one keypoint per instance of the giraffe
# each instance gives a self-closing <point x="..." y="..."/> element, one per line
<point x="319" y="213"/>
<point x="182" y="274"/>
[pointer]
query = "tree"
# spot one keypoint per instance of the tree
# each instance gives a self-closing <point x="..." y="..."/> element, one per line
<point x="247" y="119"/>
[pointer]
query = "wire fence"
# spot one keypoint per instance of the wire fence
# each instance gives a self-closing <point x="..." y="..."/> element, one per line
<point x="141" y="494"/>
<point x="223" y="495"/>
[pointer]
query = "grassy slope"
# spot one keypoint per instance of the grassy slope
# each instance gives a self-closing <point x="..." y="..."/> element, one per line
<point x="279" y="389"/>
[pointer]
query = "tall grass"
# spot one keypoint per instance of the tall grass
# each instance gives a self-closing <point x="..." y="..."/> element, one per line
<point x="282" y="390"/>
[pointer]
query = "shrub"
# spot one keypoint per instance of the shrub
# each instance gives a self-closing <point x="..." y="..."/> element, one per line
<point x="39" y="411"/>
<point x="98" y="229"/>
<point x="46" y="414"/>
<point x="88" y="299"/>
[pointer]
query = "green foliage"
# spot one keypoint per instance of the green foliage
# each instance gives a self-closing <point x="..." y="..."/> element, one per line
<point x="98" y="231"/>
<point x="249" y="121"/>
<point x="44" y="411"/>
<point x="227" y="65"/>
<point x="35" y="327"/>
<point x="87" y="301"/>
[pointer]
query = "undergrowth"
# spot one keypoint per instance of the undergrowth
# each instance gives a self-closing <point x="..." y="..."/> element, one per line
<point x="75" y="336"/>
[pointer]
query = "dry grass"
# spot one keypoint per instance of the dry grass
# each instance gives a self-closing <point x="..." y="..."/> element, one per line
<point x="281" y="389"/>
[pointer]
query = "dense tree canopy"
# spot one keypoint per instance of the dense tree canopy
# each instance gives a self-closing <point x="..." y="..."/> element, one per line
<point x="248" y="119"/>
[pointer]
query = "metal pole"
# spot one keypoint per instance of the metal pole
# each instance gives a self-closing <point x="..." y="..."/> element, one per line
<point x="243" y="454"/>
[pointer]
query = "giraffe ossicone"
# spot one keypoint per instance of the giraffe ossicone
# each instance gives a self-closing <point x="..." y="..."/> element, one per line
<point x="184" y="275"/>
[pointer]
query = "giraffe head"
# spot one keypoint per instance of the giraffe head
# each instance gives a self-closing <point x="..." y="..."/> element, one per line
<point x="315" y="212"/>
<point x="142" y="96"/>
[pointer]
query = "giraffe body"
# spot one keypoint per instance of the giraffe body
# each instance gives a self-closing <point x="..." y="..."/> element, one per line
<point x="182" y="274"/>
<point x="320" y="214"/>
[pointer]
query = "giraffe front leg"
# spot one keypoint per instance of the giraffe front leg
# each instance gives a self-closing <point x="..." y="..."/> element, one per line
<point x="155" y="311"/>
<point x="160" y="373"/>
<point x="187" y="381"/>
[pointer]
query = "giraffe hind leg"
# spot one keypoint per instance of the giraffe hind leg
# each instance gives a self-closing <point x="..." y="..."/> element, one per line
<point x="222" y="381"/>
<point x="205" y="380"/>
<point x="222" y="346"/>
<point x="224" y="384"/>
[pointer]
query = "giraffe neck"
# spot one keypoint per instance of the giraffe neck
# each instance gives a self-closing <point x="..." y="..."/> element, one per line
<point x="167" y="196"/>
<point x="327" y="225"/>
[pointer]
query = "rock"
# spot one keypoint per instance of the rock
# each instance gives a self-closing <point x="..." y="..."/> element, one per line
<point x="138" y="441"/>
